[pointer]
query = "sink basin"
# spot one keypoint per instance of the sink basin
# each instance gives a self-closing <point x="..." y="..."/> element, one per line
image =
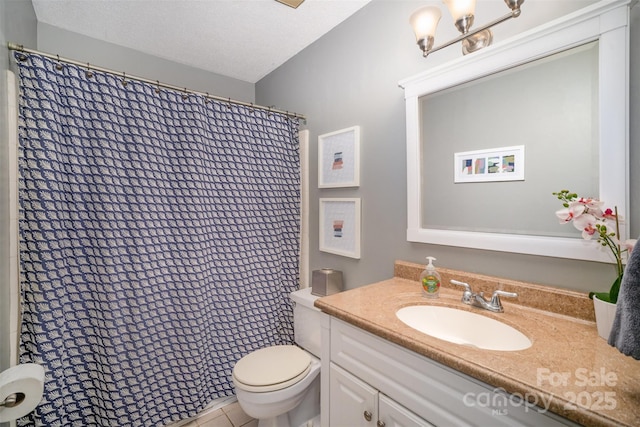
<point x="463" y="327"/>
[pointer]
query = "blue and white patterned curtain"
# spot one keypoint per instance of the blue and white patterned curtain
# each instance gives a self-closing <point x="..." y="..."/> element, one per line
<point x="159" y="242"/>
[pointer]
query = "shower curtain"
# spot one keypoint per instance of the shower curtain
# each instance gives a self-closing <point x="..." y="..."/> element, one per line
<point x="159" y="240"/>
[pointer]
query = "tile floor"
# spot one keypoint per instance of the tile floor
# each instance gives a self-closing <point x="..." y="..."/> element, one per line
<point x="230" y="415"/>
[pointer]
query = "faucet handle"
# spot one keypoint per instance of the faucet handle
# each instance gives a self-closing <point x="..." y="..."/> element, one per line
<point x="467" y="295"/>
<point x="504" y="294"/>
<point x="466" y="286"/>
<point x="495" y="298"/>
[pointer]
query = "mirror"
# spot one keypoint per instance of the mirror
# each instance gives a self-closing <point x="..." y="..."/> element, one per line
<point x="559" y="94"/>
<point x="550" y="107"/>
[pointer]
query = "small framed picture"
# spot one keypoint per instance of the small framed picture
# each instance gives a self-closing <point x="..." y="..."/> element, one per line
<point x="495" y="164"/>
<point x="340" y="226"/>
<point x="339" y="158"/>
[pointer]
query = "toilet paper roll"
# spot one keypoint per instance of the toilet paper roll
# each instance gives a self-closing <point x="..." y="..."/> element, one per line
<point x="26" y="382"/>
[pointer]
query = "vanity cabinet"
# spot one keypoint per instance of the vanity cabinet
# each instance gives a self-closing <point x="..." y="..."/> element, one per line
<point x="368" y="373"/>
<point x="355" y="403"/>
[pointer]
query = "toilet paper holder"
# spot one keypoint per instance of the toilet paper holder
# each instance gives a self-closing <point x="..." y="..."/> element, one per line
<point x="21" y="389"/>
<point x="12" y="400"/>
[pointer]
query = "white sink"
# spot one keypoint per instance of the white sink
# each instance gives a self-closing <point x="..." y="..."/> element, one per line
<point x="463" y="327"/>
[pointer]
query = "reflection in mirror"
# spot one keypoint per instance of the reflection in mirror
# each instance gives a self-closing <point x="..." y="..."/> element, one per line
<point x="567" y="106"/>
<point x="550" y="106"/>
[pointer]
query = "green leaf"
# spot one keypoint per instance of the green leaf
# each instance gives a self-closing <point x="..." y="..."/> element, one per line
<point x="602" y="296"/>
<point x="612" y="295"/>
<point x="615" y="289"/>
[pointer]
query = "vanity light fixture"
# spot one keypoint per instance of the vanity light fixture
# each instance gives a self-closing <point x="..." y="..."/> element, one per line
<point x="291" y="3"/>
<point x="425" y="20"/>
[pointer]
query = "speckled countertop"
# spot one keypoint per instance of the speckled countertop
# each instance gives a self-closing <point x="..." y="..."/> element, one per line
<point x="568" y="369"/>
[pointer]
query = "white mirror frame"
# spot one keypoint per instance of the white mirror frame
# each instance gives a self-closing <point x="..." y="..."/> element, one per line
<point x="606" y="21"/>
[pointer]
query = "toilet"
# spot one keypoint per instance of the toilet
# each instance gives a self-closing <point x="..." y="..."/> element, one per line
<point x="280" y="385"/>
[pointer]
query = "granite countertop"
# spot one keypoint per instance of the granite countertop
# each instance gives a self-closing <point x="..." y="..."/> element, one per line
<point x="568" y="369"/>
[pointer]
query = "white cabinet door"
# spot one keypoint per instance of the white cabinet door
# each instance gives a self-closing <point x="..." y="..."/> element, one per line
<point x="391" y="414"/>
<point x="353" y="403"/>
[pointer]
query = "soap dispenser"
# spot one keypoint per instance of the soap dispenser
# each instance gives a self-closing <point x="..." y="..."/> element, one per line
<point x="430" y="280"/>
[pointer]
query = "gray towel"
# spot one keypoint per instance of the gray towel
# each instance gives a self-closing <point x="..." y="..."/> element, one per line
<point x="625" y="332"/>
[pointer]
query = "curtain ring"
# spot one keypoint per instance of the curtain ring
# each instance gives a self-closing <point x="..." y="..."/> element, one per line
<point x="157" y="86"/>
<point x="22" y="57"/>
<point x="229" y="104"/>
<point x="124" y="77"/>
<point x="88" y="73"/>
<point x="58" y="64"/>
<point x="186" y="94"/>
<point x="206" y="99"/>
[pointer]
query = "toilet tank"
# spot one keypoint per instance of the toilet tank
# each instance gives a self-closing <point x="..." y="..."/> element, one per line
<point x="307" y="321"/>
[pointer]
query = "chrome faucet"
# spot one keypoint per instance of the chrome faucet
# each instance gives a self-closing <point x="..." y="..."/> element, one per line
<point x="477" y="300"/>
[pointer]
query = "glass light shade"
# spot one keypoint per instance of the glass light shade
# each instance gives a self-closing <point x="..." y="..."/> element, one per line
<point x="424" y="21"/>
<point x="460" y="8"/>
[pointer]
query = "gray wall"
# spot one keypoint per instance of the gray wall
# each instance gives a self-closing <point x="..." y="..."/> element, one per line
<point x="86" y="49"/>
<point x="17" y="21"/>
<point x="349" y="77"/>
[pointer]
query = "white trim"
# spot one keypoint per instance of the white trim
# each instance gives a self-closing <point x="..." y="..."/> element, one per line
<point x="304" y="208"/>
<point x="15" y="316"/>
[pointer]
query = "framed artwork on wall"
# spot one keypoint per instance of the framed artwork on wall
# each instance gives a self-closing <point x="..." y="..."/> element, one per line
<point x="340" y="226"/>
<point x="494" y="164"/>
<point x="339" y="158"/>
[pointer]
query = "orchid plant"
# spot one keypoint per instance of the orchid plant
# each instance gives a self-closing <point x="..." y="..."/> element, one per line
<point x="589" y="216"/>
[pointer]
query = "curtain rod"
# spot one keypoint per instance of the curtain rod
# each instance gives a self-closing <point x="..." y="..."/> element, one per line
<point x="20" y="48"/>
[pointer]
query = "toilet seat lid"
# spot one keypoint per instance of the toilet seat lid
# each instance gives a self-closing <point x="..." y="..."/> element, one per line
<point x="272" y="365"/>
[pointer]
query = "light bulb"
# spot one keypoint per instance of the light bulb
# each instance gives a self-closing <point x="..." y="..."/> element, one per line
<point x="460" y="8"/>
<point x="424" y="21"/>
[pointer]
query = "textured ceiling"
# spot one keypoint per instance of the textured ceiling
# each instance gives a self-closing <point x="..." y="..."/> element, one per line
<point x="243" y="39"/>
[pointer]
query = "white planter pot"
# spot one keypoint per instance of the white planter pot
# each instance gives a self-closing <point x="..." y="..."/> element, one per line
<point x="605" y="313"/>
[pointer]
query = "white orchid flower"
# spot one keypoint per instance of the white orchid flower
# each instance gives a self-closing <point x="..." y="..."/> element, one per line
<point x="568" y="214"/>
<point x="587" y="224"/>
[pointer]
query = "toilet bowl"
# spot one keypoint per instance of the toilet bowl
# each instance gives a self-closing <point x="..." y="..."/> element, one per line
<point x="280" y="385"/>
<point x="274" y="404"/>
